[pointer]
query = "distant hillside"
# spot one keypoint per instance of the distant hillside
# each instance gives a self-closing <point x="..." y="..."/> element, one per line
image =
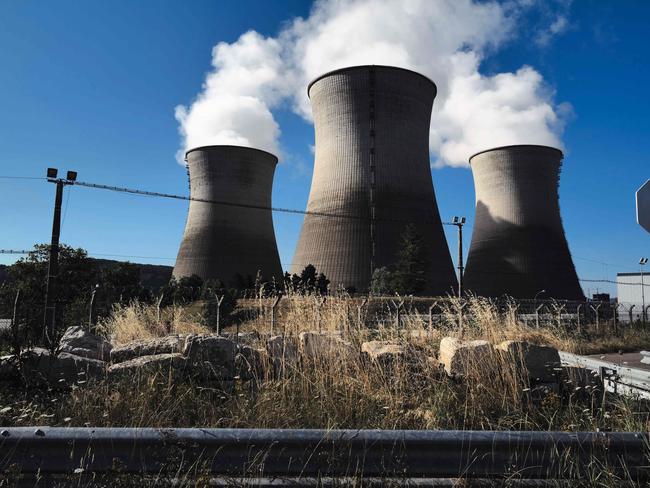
<point x="151" y="275"/>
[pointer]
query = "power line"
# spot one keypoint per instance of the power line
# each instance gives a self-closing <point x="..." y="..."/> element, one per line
<point x="8" y="177"/>
<point x="135" y="191"/>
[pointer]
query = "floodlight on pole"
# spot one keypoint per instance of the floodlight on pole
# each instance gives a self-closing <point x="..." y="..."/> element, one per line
<point x="50" y="318"/>
<point x="459" y="222"/>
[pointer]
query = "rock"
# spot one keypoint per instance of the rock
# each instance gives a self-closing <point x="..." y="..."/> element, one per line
<point x="542" y="363"/>
<point x="173" y="364"/>
<point x="248" y="337"/>
<point x="459" y="357"/>
<point x="580" y="380"/>
<point x="283" y="352"/>
<point x="79" y="341"/>
<point x="384" y="353"/>
<point x="38" y="365"/>
<point x="542" y="390"/>
<point x="324" y="345"/>
<point x="251" y="363"/>
<point x="210" y="356"/>
<point x="9" y="370"/>
<point x="147" y="347"/>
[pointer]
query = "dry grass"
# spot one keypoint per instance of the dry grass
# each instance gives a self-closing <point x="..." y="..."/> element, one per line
<point x="342" y="390"/>
<point x="140" y="321"/>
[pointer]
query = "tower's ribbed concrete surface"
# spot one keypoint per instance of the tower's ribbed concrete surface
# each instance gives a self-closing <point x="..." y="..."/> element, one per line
<point x="228" y="242"/>
<point x="372" y="164"/>
<point x="518" y="244"/>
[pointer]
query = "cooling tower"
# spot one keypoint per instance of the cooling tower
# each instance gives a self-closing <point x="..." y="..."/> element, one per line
<point x="229" y="242"/>
<point x="372" y="165"/>
<point x="518" y="245"/>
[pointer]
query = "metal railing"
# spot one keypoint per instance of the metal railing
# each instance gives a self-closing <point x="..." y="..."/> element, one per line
<point x="616" y="378"/>
<point x="48" y="451"/>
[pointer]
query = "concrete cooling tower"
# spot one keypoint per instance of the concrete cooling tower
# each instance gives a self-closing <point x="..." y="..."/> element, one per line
<point x="372" y="164"/>
<point x="518" y="245"/>
<point x="229" y="242"/>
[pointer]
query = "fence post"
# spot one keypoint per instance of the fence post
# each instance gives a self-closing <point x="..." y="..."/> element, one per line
<point x="158" y="304"/>
<point x="596" y="309"/>
<point x="398" y="313"/>
<point x="578" y="318"/>
<point x="273" y="308"/>
<point x="91" y="305"/>
<point x="14" y="325"/>
<point x="219" y="299"/>
<point x="616" y="319"/>
<point x="359" y="309"/>
<point x="631" y="314"/>
<point x="320" y="301"/>
<point x="537" y="309"/>
<point x="435" y="304"/>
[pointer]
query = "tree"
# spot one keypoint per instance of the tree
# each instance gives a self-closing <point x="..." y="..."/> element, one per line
<point x="77" y="276"/>
<point x="381" y="282"/>
<point x="308" y="278"/>
<point x="409" y="274"/>
<point x="322" y="284"/>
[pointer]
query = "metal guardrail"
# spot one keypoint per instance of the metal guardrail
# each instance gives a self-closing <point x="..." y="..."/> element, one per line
<point x="47" y="451"/>
<point x="616" y="378"/>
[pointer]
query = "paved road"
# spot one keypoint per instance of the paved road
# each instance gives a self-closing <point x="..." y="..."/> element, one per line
<point x="629" y="359"/>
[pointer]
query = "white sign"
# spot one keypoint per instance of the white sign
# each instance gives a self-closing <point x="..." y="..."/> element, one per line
<point x="643" y="206"/>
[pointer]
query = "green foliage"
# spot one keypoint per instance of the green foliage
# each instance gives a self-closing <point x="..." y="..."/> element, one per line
<point x="381" y="282"/>
<point x="308" y="282"/>
<point x="228" y="297"/>
<point x="77" y="276"/>
<point x="409" y="274"/>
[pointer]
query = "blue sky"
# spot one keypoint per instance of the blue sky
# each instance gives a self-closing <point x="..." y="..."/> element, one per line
<point x="92" y="86"/>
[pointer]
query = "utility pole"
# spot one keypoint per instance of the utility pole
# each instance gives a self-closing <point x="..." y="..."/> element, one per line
<point x="642" y="263"/>
<point x="459" y="222"/>
<point x="51" y="295"/>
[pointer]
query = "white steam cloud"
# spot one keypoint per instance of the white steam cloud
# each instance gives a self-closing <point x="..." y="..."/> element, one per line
<point x="445" y="40"/>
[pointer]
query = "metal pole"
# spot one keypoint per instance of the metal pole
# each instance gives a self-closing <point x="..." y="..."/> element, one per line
<point x="460" y="260"/>
<point x="49" y="322"/>
<point x="643" y="317"/>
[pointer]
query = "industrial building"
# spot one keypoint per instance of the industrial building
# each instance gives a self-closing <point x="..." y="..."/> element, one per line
<point x="233" y="240"/>
<point x="633" y="291"/>
<point x="518" y="244"/>
<point x="372" y="177"/>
